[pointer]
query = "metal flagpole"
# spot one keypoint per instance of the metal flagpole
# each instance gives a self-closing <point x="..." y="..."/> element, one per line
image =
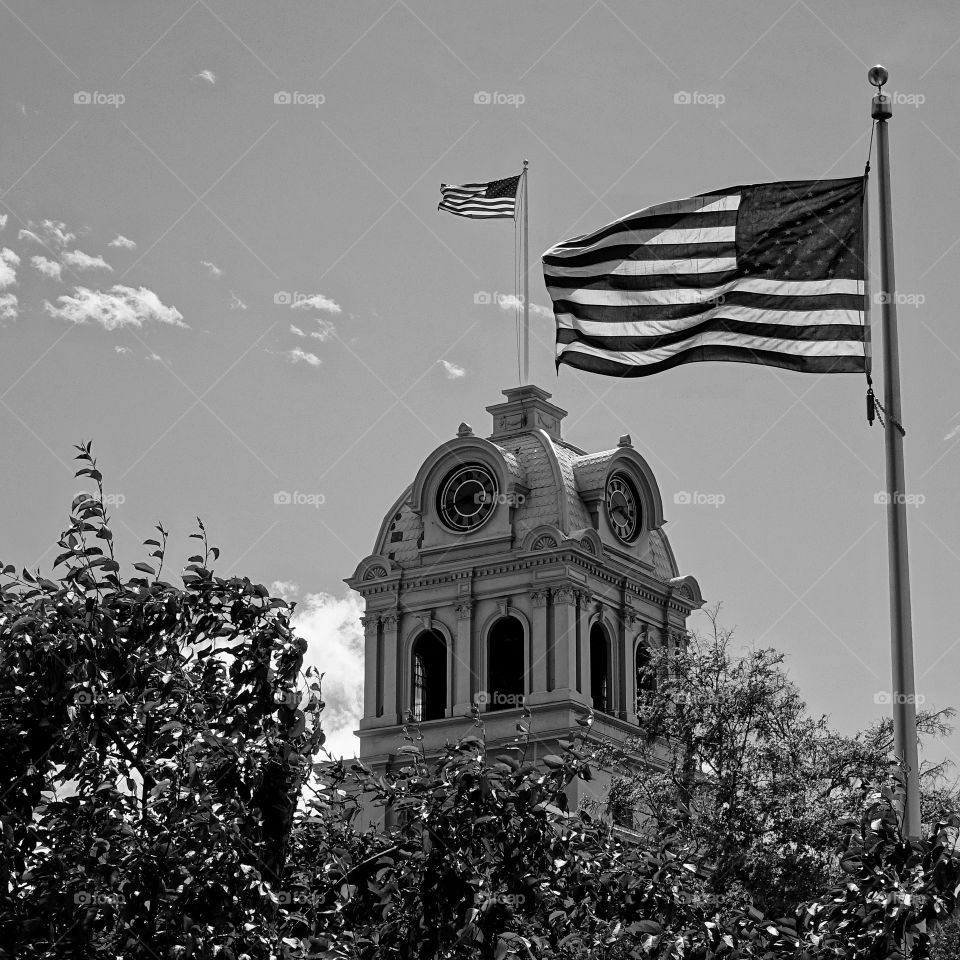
<point x="526" y="277"/>
<point x="901" y="629"/>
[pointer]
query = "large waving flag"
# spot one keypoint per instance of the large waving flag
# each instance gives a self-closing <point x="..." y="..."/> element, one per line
<point x="482" y="201"/>
<point x="769" y="273"/>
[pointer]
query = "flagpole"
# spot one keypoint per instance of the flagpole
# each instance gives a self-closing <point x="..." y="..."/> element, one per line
<point x="901" y="628"/>
<point x="526" y="276"/>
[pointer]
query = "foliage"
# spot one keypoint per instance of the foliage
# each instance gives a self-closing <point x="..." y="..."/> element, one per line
<point x="762" y="788"/>
<point x="160" y="798"/>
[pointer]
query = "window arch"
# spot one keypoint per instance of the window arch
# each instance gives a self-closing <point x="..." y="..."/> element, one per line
<point x="429" y="676"/>
<point x="599" y="668"/>
<point x="505" y="664"/>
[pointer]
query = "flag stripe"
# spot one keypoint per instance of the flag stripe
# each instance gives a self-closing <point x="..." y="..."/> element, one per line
<point x="737" y="305"/>
<point x="604" y="363"/>
<point x="676" y="294"/>
<point x="750" y="274"/>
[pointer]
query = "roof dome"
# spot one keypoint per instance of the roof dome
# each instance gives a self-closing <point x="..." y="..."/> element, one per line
<point x="549" y="493"/>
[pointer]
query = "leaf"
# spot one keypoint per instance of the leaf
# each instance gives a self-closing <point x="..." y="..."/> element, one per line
<point x="144" y="568"/>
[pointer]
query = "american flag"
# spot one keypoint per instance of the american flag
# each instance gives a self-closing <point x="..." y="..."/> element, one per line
<point x="768" y="273"/>
<point x="498" y="198"/>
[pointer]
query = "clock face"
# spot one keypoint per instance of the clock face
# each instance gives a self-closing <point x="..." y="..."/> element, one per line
<point x="467" y="497"/>
<point x="623" y="508"/>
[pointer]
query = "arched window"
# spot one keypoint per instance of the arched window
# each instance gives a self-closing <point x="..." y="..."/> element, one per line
<point x="429" y="677"/>
<point x="599" y="668"/>
<point x="505" y="685"/>
<point x="646" y="675"/>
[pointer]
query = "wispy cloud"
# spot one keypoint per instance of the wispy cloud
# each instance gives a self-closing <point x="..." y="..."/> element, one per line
<point x="317" y="302"/>
<point x="9" y="262"/>
<point x="331" y="627"/>
<point x="121" y="350"/>
<point x="296" y="331"/>
<point x="236" y="303"/>
<point x="49" y="268"/>
<point x="325" y="330"/>
<point x="296" y="355"/>
<point x="3" y="221"/>
<point x="47" y="233"/>
<point x="119" y="306"/>
<point x="121" y="241"/>
<point x="511" y="302"/>
<point x="212" y="268"/>
<point x="207" y="75"/>
<point x="454" y="372"/>
<point x="8" y="306"/>
<point x="84" y="261"/>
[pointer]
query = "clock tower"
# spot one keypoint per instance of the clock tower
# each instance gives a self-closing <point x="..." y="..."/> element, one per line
<point x="517" y="569"/>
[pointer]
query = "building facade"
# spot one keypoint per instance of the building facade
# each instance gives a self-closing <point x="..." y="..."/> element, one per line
<point x="517" y="569"/>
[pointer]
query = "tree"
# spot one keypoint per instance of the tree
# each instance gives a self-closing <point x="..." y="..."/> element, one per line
<point x="757" y="789"/>
<point x="153" y="744"/>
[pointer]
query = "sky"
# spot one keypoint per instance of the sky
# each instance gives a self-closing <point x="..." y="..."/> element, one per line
<point x="221" y="261"/>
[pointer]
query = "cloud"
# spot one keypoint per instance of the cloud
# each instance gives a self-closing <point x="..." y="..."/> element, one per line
<point x="119" y="306"/>
<point x="207" y="75"/>
<point x="3" y="221"/>
<point x="953" y="433"/>
<point x="454" y="372"/>
<point x="215" y="271"/>
<point x="331" y="627"/>
<point x="9" y="262"/>
<point x="121" y="241"/>
<point x="236" y="303"/>
<point x="325" y="330"/>
<point x="510" y="302"/>
<point x="296" y="355"/>
<point x="317" y="302"/>
<point x="83" y="261"/>
<point x="123" y="350"/>
<point x="48" y="232"/>
<point x="296" y="331"/>
<point x="49" y="268"/>
<point x="8" y="306"/>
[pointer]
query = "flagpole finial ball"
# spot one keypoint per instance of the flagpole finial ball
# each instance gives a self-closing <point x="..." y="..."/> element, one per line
<point x="878" y="75"/>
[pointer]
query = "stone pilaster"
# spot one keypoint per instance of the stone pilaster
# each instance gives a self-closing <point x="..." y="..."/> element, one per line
<point x="462" y="660"/>
<point x="370" y="665"/>
<point x="392" y="672"/>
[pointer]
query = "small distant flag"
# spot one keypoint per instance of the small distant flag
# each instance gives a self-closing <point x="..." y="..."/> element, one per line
<point x="498" y="198"/>
<point x="768" y="273"/>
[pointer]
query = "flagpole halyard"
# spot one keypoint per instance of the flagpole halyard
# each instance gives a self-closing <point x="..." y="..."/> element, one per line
<point x="901" y="626"/>
<point x="526" y="275"/>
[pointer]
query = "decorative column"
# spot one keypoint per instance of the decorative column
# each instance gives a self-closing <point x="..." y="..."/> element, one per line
<point x="370" y="665"/>
<point x="583" y="636"/>
<point x="538" y="645"/>
<point x="391" y="667"/>
<point x="632" y="632"/>
<point x="463" y="658"/>
<point x="565" y="639"/>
